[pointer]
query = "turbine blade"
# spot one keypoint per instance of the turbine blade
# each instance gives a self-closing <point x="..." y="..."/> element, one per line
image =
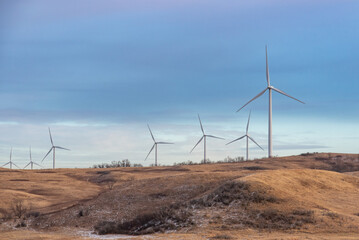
<point x="10" y="154"/>
<point x="16" y="166"/>
<point x="30" y="154"/>
<point x="150" y="151"/>
<point x="164" y="143"/>
<point x="62" y="148"/>
<point x="249" y="118"/>
<point x="267" y="68"/>
<point x="37" y="164"/>
<point x="27" y="165"/>
<point x="236" y="140"/>
<point x="5" y="164"/>
<point x="215" y="137"/>
<point x="52" y="143"/>
<point x="285" y="94"/>
<point x="260" y="94"/>
<point x="255" y="142"/>
<point x="151" y="133"/>
<point x="200" y="122"/>
<point x="47" y="154"/>
<point x="197" y="143"/>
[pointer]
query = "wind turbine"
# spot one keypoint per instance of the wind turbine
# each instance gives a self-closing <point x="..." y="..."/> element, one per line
<point x="204" y="140"/>
<point x="31" y="163"/>
<point x="155" y="146"/>
<point x="247" y="136"/>
<point x="269" y="88"/>
<point x="10" y="162"/>
<point x="53" y="150"/>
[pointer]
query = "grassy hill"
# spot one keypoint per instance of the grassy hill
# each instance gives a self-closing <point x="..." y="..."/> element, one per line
<point x="315" y="194"/>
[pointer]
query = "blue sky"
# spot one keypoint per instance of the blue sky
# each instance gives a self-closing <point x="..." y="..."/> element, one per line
<point x="97" y="72"/>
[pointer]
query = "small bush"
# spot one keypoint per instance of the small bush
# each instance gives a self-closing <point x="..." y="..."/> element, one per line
<point x="32" y="214"/>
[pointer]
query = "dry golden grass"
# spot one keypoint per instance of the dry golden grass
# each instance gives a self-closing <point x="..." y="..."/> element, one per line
<point x="61" y="193"/>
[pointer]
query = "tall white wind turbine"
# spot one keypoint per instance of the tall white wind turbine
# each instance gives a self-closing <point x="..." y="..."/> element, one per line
<point x="10" y="162"/>
<point x="247" y="136"/>
<point x="269" y="88"/>
<point x="154" y="146"/>
<point x="31" y="163"/>
<point x="204" y="140"/>
<point x="53" y="150"/>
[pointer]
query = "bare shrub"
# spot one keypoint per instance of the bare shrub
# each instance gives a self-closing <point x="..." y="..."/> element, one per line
<point x="18" y="208"/>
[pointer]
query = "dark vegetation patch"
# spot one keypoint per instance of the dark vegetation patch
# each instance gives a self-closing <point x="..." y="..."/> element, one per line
<point x="254" y="168"/>
<point x="158" y="195"/>
<point x="332" y="215"/>
<point x="20" y="224"/>
<point x="32" y="214"/>
<point x="308" y="154"/>
<point x="356" y="214"/>
<point x="340" y="163"/>
<point x="103" y="172"/>
<point x="45" y="192"/>
<point x="102" y="178"/>
<point x="159" y="221"/>
<point x="221" y="236"/>
<point x="19" y="180"/>
<point x="272" y="219"/>
<point x="177" y="216"/>
<point x="231" y="191"/>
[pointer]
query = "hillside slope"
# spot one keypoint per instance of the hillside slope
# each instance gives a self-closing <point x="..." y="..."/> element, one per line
<point x="280" y="194"/>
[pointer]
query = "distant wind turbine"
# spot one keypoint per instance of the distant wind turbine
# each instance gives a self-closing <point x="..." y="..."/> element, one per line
<point x="269" y="88"/>
<point x="155" y="146"/>
<point x="10" y="162"/>
<point x="247" y="136"/>
<point x="53" y="150"/>
<point x="204" y="140"/>
<point x="31" y="163"/>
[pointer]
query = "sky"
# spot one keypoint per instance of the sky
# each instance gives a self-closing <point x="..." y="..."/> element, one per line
<point x="97" y="72"/>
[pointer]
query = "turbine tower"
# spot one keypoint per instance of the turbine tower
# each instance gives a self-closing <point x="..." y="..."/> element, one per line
<point x="269" y="88"/>
<point x="10" y="162"/>
<point x="204" y="140"/>
<point x="31" y="163"/>
<point x="247" y="136"/>
<point x="53" y="151"/>
<point x="155" y="146"/>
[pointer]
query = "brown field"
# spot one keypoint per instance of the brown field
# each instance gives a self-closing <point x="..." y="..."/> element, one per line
<point x="311" y="196"/>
